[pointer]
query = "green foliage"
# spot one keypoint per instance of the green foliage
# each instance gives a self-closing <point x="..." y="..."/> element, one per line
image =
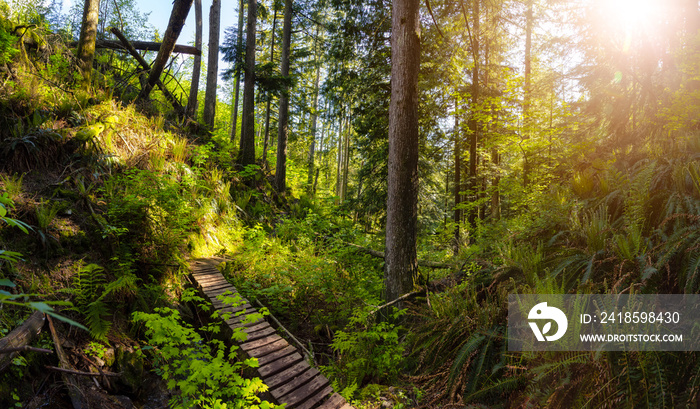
<point x="12" y="185"/>
<point x="366" y="350"/>
<point x="7" y="45"/>
<point x="203" y="374"/>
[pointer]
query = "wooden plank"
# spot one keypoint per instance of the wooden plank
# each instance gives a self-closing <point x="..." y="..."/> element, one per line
<point x="212" y="281"/>
<point x="232" y="308"/>
<point x="213" y="292"/>
<point x="308" y="394"/>
<point x="221" y="285"/>
<point x="268" y="349"/>
<point x="239" y="324"/>
<point x="247" y="346"/>
<point x="256" y="326"/>
<point x="218" y="299"/>
<point x="286" y="375"/>
<point x="347" y="406"/>
<point x="334" y="402"/>
<point x="288" y="350"/>
<point x="253" y="335"/>
<point x="294" y="383"/>
<point x="218" y="289"/>
<point x="279" y="365"/>
<point x="208" y="273"/>
<point x="237" y="318"/>
<point x="314" y="400"/>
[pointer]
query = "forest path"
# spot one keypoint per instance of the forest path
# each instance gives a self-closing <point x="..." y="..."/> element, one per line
<point x="283" y="369"/>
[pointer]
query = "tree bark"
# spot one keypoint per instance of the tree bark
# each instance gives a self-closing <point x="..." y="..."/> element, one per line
<point x="458" y="181"/>
<point x="474" y="125"/>
<point x="346" y="159"/>
<point x="20" y="337"/>
<point x="197" y="68"/>
<point x="339" y="157"/>
<point x="269" y="94"/>
<point x="314" y="119"/>
<point x="86" y="43"/>
<point x="246" y="153"/>
<point x="527" y="88"/>
<point x="401" y="267"/>
<point x="177" y="19"/>
<point x="239" y="45"/>
<point x="283" y="131"/>
<point x="209" y="113"/>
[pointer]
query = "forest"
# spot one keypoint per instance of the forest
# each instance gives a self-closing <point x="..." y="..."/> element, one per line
<point x="374" y="177"/>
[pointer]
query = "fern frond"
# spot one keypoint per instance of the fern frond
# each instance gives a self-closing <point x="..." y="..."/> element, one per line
<point x="464" y="353"/>
<point x="99" y="327"/>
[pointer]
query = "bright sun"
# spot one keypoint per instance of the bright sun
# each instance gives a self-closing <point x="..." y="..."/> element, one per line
<point x="630" y="14"/>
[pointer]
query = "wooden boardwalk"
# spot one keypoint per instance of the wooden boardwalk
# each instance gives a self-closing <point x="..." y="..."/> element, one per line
<point x="283" y="369"/>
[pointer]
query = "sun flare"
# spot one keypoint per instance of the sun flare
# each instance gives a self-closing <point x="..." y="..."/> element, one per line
<point x="630" y="14"/>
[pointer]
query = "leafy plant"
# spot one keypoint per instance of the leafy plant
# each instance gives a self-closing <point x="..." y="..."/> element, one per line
<point x="366" y="351"/>
<point x="204" y="374"/>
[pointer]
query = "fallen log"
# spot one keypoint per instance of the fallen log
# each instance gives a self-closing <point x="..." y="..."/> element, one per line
<point x="82" y="373"/>
<point x="143" y="46"/>
<point x="76" y="396"/>
<point x="379" y="254"/>
<point x="20" y="337"/>
<point x="169" y="96"/>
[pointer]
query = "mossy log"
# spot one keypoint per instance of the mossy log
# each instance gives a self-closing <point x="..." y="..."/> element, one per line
<point x="20" y="337"/>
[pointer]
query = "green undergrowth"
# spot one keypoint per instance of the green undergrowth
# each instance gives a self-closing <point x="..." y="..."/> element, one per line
<point x="205" y="371"/>
<point x="624" y="226"/>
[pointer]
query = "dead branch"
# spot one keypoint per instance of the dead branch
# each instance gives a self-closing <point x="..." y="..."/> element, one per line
<point x="308" y="354"/>
<point x="26" y="348"/>
<point x="74" y="392"/>
<point x="142" y="45"/>
<point x="390" y="303"/>
<point x="379" y="254"/>
<point x="171" y="98"/>
<point x="82" y="373"/>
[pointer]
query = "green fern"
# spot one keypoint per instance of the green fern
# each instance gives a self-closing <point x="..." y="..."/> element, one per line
<point x="94" y="316"/>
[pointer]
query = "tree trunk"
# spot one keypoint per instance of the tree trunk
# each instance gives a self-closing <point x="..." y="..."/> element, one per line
<point x="269" y="94"/>
<point x="474" y="125"/>
<point x="239" y="45"/>
<point x="209" y="114"/>
<point x="283" y="131"/>
<point x="401" y="267"/>
<point x="88" y="35"/>
<point x="527" y="88"/>
<point x="314" y="118"/>
<point x="458" y="181"/>
<point x="177" y="19"/>
<point x="194" y="86"/>
<point x="246" y="153"/>
<point x="346" y="159"/>
<point x="338" y="181"/>
<point x="496" y="194"/>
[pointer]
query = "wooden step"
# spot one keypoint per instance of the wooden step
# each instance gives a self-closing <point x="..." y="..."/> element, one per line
<point x="292" y="381"/>
<point x="295" y="382"/>
<point x="286" y="375"/>
<point x="334" y="402"/>
<point x="308" y="395"/>
<point x="279" y="365"/>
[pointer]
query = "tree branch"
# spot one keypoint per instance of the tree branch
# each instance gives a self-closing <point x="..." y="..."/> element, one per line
<point x="82" y="373"/>
<point x="379" y="254"/>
